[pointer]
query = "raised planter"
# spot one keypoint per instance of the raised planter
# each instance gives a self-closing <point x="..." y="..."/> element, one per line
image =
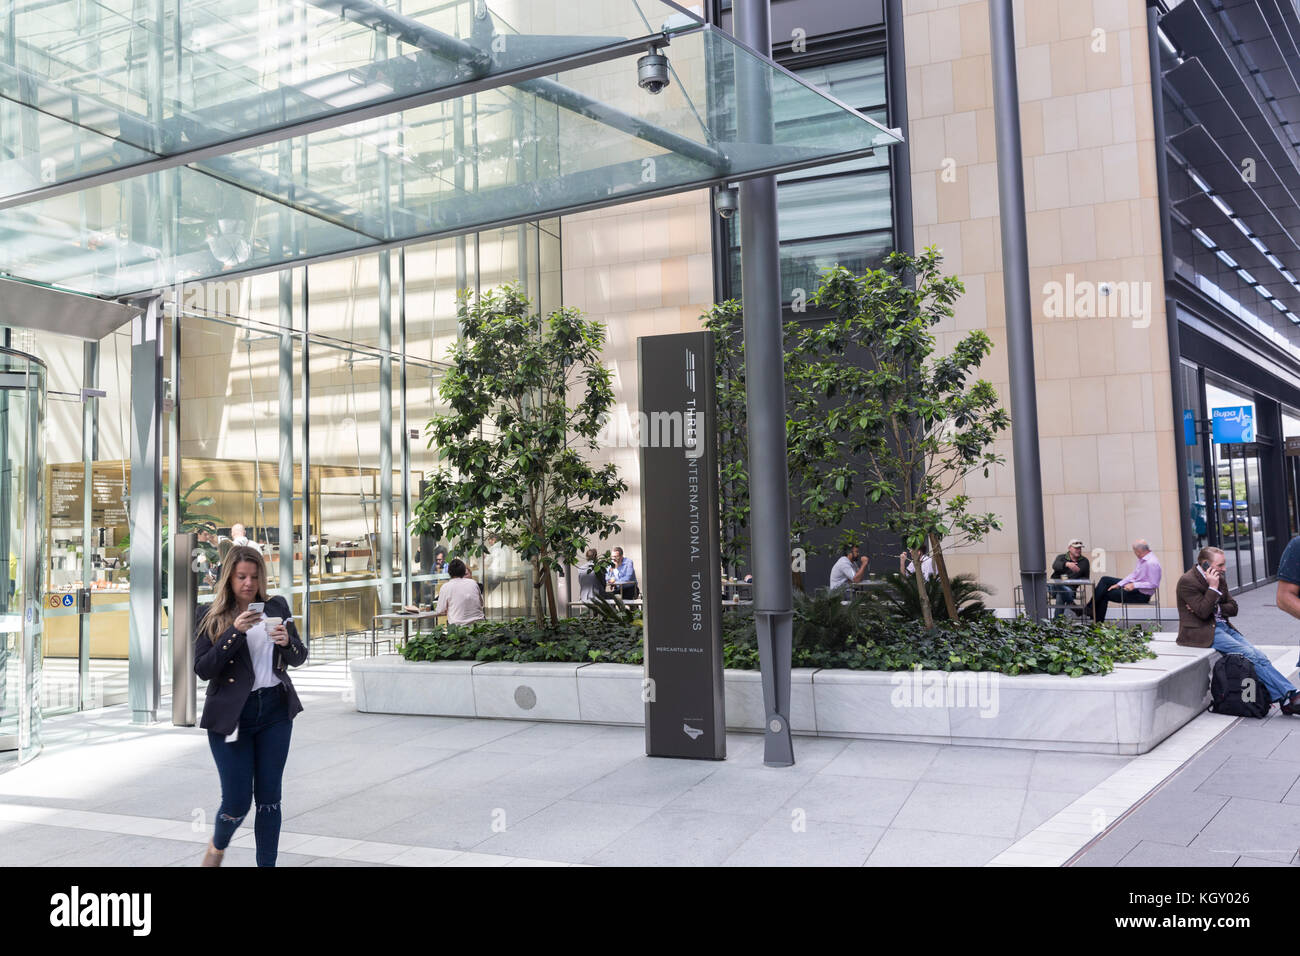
<point x="1128" y="711"/>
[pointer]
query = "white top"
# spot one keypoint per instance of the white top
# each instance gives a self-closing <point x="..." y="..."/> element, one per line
<point x="927" y="567"/>
<point x="262" y="650"/>
<point x="245" y="542"/>
<point x="460" y="600"/>
<point x="842" y="573"/>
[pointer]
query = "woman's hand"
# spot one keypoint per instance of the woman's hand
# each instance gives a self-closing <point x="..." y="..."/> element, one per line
<point x="247" y="620"/>
<point x="280" y="635"/>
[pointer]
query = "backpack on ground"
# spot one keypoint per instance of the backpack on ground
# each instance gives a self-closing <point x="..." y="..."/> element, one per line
<point x="1235" y="689"/>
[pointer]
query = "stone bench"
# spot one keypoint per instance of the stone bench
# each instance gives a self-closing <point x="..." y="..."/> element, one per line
<point x="1128" y="711"/>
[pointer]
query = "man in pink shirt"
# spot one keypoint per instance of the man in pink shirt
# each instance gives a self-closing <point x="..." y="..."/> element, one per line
<point x="1137" y="588"/>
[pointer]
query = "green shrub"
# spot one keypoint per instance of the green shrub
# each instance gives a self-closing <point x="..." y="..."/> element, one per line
<point x="821" y="639"/>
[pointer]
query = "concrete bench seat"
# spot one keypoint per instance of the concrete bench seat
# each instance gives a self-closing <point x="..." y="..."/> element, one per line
<point x="1128" y="711"/>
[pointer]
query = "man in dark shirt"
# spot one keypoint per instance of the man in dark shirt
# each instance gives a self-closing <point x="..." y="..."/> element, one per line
<point x="1288" y="579"/>
<point x="1072" y="565"/>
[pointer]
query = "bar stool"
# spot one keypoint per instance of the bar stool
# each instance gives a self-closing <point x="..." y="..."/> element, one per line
<point x="1154" y="602"/>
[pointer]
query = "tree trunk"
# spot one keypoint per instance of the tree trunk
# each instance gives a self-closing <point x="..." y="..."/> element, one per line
<point x="936" y="551"/>
<point x="549" y="581"/>
<point x="923" y="593"/>
<point x="538" y="613"/>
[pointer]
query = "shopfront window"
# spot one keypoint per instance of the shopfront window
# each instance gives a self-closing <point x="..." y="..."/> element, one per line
<point x="1238" y="500"/>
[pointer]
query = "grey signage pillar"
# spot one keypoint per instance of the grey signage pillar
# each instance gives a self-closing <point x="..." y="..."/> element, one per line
<point x="185" y="597"/>
<point x="285" y="483"/>
<point x="1020" y="328"/>
<point x="143" y="677"/>
<point x="89" y="452"/>
<point x="769" y="492"/>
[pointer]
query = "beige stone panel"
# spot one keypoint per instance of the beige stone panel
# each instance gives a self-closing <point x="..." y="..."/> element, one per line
<point x="1079" y="459"/>
<point x="936" y="89"/>
<point x="576" y="247"/>
<point x="973" y="21"/>
<point x="1060" y="349"/>
<point x="1041" y="22"/>
<point x="925" y="198"/>
<point x="1049" y="456"/>
<point x="1124" y="108"/>
<point x="916" y="36"/>
<point x="1068" y="66"/>
<point x="1087" y="183"/>
<point x="1146" y="169"/>
<point x="648" y="281"/>
<point x="1142" y="519"/>
<point x="1034" y="72"/>
<point x="598" y="289"/>
<point x="1044" y="237"/>
<point x="1124" y="403"/>
<point x="971" y="82"/>
<point x="1076" y="19"/>
<point x="1163" y="410"/>
<point x="1054" y="417"/>
<point x="1132" y="347"/>
<point x="961" y="138"/>
<point x="945" y="36"/>
<point x="998" y="572"/>
<point x="674" y="282"/>
<point x="1107" y="532"/>
<point x="1115" y="458"/>
<point x="700" y="276"/>
<point x="1121" y="170"/>
<point x="1150" y="401"/>
<point x="978" y="244"/>
<point x="1149" y="460"/>
<point x="978" y="486"/>
<point x="690" y="317"/>
<point x="604" y="239"/>
<point x="953" y="200"/>
<point x="1070" y="515"/>
<point x="1005" y="478"/>
<point x="994" y="302"/>
<point x="1051" y="180"/>
<point x="1145" y="223"/>
<point x="1092" y="115"/>
<point x="1088" y="406"/>
<point x="1060" y="127"/>
<point x="1115" y="234"/>
<point x="1135" y="66"/>
<point x="1143" y="119"/>
<point x="655" y="222"/>
<point x="1103" y="67"/>
<point x="1117" y="14"/>
<point x="984" y="131"/>
<point x="948" y="237"/>
<point x="683" y="237"/>
<point x="982" y="178"/>
<point x="1078" y="234"/>
<point x="927" y="144"/>
<point x="968" y="310"/>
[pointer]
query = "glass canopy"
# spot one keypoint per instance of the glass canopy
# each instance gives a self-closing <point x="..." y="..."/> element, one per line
<point x="147" y="144"/>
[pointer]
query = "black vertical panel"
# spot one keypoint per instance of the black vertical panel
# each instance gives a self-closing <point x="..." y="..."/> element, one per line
<point x="684" y="714"/>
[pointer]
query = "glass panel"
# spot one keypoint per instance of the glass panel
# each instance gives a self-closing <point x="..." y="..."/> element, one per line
<point x="175" y="76"/>
<point x="1195" y="476"/>
<point x="1255" y="518"/>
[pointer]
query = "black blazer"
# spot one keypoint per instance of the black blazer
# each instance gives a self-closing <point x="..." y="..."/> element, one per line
<point x="228" y="668"/>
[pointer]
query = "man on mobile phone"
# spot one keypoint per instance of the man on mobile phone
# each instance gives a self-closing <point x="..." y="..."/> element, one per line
<point x="1204" y="606"/>
<point x="1288" y="579"/>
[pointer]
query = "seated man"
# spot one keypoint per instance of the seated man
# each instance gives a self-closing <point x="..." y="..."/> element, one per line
<point x="1137" y="588"/>
<point x="906" y="567"/>
<point x="850" y="569"/>
<point x="460" y="597"/>
<point x="622" y="576"/>
<point x="1072" y="566"/>
<point x="1204" y="606"/>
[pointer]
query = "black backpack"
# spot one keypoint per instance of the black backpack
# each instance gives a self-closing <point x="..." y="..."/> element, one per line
<point x="1235" y="689"/>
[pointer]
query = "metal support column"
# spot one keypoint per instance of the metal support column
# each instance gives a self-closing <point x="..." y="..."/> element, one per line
<point x="306" y="468"/>
<point x="184" y="610"/>
<point x="385" y="431"/>
<point x="900" y="165"/>
<point x="89" y="451"/>
<point x="285" y="483"/>
<point x="1185" y="530"/>
<point x="1020" y="329"/>
<point x="760" y="274"/>
<point x="144" y="679"/>
<point x="407" y="593"/>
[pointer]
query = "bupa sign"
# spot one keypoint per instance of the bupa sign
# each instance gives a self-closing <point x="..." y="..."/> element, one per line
<point x="1233" y="425"/>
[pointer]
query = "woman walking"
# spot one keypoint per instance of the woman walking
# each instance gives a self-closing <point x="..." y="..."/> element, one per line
<point x="243" y="651"/>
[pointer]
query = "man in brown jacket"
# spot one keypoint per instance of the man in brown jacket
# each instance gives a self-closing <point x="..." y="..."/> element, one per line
<point x="1204" y="606"/>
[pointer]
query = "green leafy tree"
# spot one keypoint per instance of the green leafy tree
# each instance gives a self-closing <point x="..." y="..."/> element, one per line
<point x="190" y="522"/>
<point x="890" y="423"/>
<point x="724" y="321"/>
<point x="513" y="442"/>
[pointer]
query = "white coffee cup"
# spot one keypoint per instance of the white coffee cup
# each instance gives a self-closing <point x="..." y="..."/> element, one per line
<point x="272" y="623"/>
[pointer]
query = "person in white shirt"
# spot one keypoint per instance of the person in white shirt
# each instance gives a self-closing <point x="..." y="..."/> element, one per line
<point x="459" y="598"/>
<point x="239" y="538"/>
<point x="851" y="568"/>
<point x="905" y="566"/>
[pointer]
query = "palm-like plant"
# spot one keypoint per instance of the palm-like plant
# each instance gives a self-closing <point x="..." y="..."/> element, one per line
<point x="902" y="593"/>
<point x="191" y="522"/>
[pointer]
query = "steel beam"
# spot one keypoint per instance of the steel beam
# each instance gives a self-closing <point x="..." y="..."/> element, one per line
<point x="1020" y="329"/>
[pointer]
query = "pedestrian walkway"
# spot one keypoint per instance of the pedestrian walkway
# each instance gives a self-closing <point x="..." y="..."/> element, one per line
<point x="370" y="789"/>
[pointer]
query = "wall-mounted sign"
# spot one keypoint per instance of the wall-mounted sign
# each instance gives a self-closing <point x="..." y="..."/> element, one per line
<point x="1189" y="427"/>
<point x="683" y="568"/>
<point x="1234" y="424"/>
<point x="1293" y="446"/>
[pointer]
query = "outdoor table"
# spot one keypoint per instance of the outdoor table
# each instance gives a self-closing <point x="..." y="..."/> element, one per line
<point x="406" y="617"/>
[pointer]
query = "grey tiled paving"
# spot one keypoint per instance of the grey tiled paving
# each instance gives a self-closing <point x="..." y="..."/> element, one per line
<point x="1235" y="803"/>
<point x="388" y="790"/>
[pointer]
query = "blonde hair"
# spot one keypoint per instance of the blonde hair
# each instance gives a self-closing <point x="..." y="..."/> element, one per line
<point x="222" y="613"/>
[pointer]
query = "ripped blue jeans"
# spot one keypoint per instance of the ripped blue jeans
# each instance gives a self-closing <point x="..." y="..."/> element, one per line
<point x="251" y="769"/>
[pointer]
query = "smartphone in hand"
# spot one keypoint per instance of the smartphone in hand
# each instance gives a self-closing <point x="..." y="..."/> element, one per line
<point x="257" y="607"/>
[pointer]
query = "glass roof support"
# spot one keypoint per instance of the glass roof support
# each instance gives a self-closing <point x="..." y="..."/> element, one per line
<point x="769" y="492"/>
<point x="526" y="78"/>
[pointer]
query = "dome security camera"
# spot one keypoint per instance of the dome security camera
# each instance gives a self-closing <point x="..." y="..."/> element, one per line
<point x="652" y="72"/>
<point x="725" y="202"/>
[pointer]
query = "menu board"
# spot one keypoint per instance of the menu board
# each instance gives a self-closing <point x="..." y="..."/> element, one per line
<point x="107" y="497"/>
<point x="66" y="500"/>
